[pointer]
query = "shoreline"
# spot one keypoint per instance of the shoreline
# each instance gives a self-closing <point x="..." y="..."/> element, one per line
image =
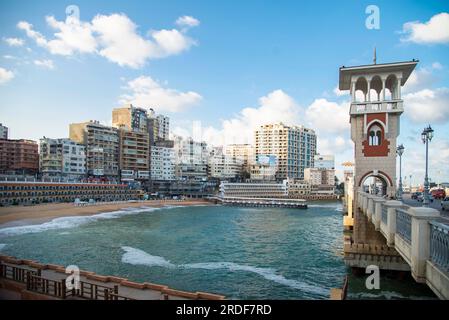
<point x="31" y="215"/>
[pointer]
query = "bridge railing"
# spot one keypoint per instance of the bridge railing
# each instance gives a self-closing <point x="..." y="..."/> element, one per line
<point x="404" y="225"/>
<point x="439" y="245"/>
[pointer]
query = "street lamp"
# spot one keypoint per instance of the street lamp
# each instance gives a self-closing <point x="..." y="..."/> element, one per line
<point x="399" y="152"/>
<point x="426" y="136"/>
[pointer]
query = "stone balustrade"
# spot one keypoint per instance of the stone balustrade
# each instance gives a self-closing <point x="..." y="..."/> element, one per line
<point x="418" y="234"/>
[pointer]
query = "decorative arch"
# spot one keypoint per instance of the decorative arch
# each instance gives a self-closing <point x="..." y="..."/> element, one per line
<point x="380" y="174"/>
<point x="375" y="144"/>
<point x="361" y="84"/>
<point x="391" y="83"/>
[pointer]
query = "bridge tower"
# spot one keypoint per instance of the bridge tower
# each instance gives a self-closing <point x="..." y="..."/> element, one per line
<point x="376" y="107"/>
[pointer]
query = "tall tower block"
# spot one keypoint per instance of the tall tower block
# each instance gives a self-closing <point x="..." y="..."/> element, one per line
<point x="376" y="107"/>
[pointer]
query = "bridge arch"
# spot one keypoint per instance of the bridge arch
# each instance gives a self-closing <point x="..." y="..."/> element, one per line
<point x="378" y="177"/>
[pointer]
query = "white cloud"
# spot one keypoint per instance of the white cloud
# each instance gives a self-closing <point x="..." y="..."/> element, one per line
<point x="277" y="106"/>
<point x="146" y="92"/>
<point x="437" y="66"/>
<point x="114" y="37"/>
<point x="434" y="31"/>
<point x="5" y="75"/>
<point x="427" y="105"/>
<point x="48" y="64"/>
<point x="328" y="117"/>
<point x="339" y="92"/>
<point x="14" y="42"/>
<point x="71" y="36"/>
<point x="186" y="22"/>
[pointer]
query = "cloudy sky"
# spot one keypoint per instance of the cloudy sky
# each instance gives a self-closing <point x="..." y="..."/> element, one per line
<point x="228" y="65"/>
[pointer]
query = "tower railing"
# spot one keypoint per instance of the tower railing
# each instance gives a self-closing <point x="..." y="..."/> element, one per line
<point x="376" y="106"/>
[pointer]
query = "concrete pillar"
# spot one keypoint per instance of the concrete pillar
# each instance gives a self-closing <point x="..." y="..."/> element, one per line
<point x="369" y="90"/>
<point x="383" y="89"/>
<point x="398" y="91"/>
<point x="378" y="212"/>
<point x="420" y="244"/>
<point x="365" y="203"/>
<point x="353" y="91"/>
<point x="370" y="209"/>
<point x="391" y="205"/>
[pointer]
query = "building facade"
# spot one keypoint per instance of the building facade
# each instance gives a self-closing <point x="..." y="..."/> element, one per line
<point x="241" y="152"/>
<point x="19" y="157"/>
<point x="191" y="158"/>
<point x="130" y="118"/>
<point x="16" y="193"/>
<point x="162" y="163"/>
<point x="102" y="148"/>
<point x="254" y="190"/>
<point x="3" y="132"/>
<point x="134" y="156"/>
<point x="62" y="157"/>
<point x="293" y="146"/>
<point x="221" y="166"/>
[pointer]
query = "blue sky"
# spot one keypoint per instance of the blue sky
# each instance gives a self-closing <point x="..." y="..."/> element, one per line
<point x="231" y="65"/>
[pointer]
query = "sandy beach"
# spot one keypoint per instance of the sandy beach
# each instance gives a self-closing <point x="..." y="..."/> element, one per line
<point x="20" y="215"/>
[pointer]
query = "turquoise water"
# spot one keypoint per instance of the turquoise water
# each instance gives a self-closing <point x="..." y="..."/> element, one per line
<point x="243" y="253"/>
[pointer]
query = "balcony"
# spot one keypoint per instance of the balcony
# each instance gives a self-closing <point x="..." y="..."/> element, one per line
<point x="391" y="106"/>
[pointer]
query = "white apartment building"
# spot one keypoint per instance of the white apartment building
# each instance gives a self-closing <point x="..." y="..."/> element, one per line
<point x="163" y="127"/>
<point x="293" y="146"/>
<point x="191" y="159"/>
<point x="224" y="167"/>
<point x="162" y="163"/>
<point x="61" y="157"/>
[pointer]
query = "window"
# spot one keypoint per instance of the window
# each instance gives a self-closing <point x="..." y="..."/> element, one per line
<point x="375" y="136"/>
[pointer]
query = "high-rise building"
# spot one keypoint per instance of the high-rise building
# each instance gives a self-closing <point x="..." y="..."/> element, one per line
<point x="19" y="157"/>
<point x="163" y="127"/>
<point x="162" y="163"/>
<point x="293" y="146"/>
<point x="134" y="155"/>
<point x="242" y="152"/>
<point x="131" y="118"/>
<point x="191" y="159"/>
<point x="62" y="157"/>
<point x="3" y="132"/>
<point x="102" y="147"/>
<point x="324" y="161"/>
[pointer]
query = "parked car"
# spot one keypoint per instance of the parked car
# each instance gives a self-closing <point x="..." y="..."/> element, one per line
<point x="421" y="198"/>
<point x="445" y="204"/>
<point x="438" y="194"/>
<point x="415" y="195"/>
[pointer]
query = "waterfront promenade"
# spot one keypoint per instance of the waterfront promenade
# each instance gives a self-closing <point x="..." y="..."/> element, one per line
<point x="30" y="280"/>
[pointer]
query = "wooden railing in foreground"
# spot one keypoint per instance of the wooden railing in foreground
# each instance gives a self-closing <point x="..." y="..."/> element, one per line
<point x="38" y="284"/>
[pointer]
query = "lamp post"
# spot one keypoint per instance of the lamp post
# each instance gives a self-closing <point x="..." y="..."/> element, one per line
<point x="399" y="152"/>
<point x="426" y="136"/>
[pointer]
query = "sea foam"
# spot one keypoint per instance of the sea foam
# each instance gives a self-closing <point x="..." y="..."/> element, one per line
<point x="71" y="222"/>
<point x="139" y="257"/>
<point x="2" y="245"/>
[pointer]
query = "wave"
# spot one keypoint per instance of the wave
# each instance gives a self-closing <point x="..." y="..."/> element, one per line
<point x="71" y="222"/>
<point x="2" y="245"/>
<point x="139" y="257"/>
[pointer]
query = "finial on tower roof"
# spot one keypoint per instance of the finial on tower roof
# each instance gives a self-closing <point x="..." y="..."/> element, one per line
<point x="375" y="57"/>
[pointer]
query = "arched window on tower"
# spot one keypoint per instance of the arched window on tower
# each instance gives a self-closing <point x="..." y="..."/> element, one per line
<point x="374" y="135"/>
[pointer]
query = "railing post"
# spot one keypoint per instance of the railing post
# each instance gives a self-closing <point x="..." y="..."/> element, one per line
<point x="420" y="244"/>
<point x="63" y="293"/>
<point x="391" y="205"/>
<point x="378" y="212"/>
